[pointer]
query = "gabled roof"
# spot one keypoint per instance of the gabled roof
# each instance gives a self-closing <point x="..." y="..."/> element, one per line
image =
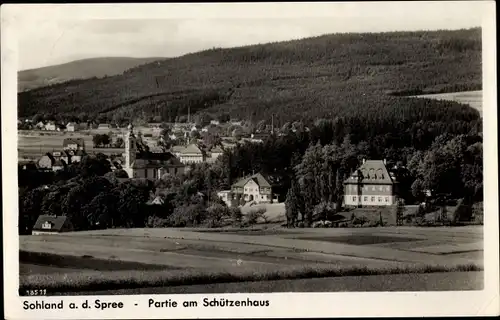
<point x="78" y="141"/>
<point x="56" y="222"/>
<point x="192" y="148"/>
<point x="372" y="172"/>
<point x="156" y="160"/>
<point x="258" y="178"/>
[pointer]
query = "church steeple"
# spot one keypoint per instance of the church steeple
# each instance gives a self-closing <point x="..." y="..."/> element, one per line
<point x="130" y="150"/>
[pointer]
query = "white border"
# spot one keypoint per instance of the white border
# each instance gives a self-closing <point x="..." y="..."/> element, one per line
<point x="484" y="302"/>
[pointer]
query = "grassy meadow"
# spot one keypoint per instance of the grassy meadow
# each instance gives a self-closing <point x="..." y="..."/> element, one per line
<point x="181" y="257"/>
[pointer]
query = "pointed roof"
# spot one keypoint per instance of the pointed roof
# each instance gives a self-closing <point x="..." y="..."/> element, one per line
<point x="372" y="172"/>
<point x="258" y="178"/>
<point x="56" y="223"/>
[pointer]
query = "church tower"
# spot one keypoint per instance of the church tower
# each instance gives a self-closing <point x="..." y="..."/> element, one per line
<point x="130" y="151"/>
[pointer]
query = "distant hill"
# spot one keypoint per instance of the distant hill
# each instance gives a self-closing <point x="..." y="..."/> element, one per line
<point x="80" y="69"/>
<point x="326" y="76"/>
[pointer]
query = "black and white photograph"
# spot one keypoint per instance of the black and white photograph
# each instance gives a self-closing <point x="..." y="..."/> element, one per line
<point x="204" y="156"/>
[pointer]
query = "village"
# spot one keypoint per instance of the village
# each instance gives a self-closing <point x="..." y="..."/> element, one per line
<point x="303" y="159"/>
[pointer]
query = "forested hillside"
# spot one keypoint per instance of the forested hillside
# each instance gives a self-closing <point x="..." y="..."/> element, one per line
<point x="341" y="75"/>
<point x="79" y="69"/>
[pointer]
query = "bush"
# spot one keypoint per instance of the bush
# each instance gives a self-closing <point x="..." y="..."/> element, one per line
<point x="157" y="222"/>
<point x="216" y="213"/>
<point x="324" y="210"/>
<point x="188" y="216"/>
<point x="236" y="215"/>
<point x="254" y="215"/>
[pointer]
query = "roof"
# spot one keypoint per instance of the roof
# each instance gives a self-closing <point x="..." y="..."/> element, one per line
<point x="56" y="222"/>
<point x="260" y="135"/>
<point x="59" y="163"/>
<point x="191" y="148"/>
<point x="78" y="141"/>
<point x="258" y="178"/>
<point x="217" y="149"/>
<point x="372" y="172"/>
<point x="156" y="160"/>
<point x="71" y="124"/>
<point x="177" y="148"/>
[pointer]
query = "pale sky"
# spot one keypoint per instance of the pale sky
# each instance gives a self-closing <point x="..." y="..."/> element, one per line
<point x="49" y="35"/>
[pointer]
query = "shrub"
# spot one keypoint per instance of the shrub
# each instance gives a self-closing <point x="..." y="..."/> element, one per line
<point x="188" y="216"/>
<point x="359" y="221"/>
<point x="254" y="215"/>
<point x="216" y="213"/>
<point x="235" y="215"/>
<point x="324" y="210"/>
<point x="157" y="222"/>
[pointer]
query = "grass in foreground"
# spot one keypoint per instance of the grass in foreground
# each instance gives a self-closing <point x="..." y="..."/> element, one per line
<point x="95" y="281"/>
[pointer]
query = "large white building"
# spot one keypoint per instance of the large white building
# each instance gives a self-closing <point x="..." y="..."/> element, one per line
<point x="370" y="185"/>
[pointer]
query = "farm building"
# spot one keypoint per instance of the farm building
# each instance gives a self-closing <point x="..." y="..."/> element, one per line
<point x="370" y="185"/>
<point x="46" y="224"/>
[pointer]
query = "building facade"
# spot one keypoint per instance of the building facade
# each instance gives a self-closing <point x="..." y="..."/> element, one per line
<point x="192" y="154"/>
<point x="256" y="188"/>
<point x="370" y="185"/>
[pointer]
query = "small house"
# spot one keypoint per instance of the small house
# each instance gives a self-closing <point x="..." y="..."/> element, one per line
<point x="71" y="127"/>
<point x="46" y="161"/>
<point x="46" y="224"/>
<point x="40" y="125"/>
<point x="216" y="152"/>
<point x="50" y="126"/>
<point x="74" y="144"/>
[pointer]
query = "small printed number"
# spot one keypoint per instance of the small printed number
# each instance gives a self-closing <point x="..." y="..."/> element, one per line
<point x="37" y="292"/>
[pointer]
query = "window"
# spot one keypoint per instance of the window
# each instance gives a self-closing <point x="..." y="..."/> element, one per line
<point x="365" y="199"/>
<point x="379" y="199"/>
<point x="386" y="199"/>
<point x="262" y="197"/>
<point x="388" y="188"/>
<point x="353" y="198"/>
<point x="380" y="188"/>
<point x="373" y="188"/>
<point x="373" y="199"/>
<point x="246" y="189"/>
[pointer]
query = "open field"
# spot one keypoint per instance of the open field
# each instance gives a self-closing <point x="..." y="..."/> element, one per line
<point x="472" y="98"/>
<point x="35" y="145"/>
<point x="393" y="282"/>
<point x="241" y="255"/>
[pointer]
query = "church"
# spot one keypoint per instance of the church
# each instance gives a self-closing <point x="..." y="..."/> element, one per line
<point x="140" y="162"/>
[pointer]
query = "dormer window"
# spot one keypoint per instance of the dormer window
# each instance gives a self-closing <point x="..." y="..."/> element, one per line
<point x="47" y="225"/>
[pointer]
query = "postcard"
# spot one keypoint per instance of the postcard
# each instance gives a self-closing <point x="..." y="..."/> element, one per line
<point x="249" y="160"/>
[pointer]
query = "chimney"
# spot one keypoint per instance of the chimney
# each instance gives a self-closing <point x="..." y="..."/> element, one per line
<point x="364" y="160"/>
<point x="385" y="162"/>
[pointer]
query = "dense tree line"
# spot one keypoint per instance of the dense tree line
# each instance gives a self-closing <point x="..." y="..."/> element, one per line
<point x="324" y="76"/>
